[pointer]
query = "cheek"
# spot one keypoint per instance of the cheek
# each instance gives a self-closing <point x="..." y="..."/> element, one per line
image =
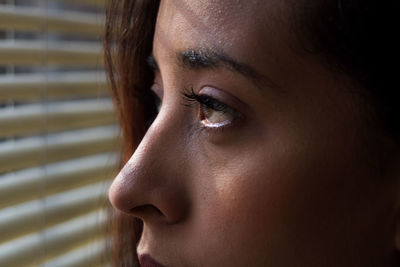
<point x="243" y="200"/>
<point x="284" y="195"/>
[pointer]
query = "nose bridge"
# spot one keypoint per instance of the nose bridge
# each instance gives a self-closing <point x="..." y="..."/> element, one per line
<point x="152" y="154"/>
<point x="149" y="179"/>
<point x="147" y="162"/>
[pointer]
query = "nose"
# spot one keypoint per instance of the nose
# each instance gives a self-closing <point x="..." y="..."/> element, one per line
<point x="150" y="186"/>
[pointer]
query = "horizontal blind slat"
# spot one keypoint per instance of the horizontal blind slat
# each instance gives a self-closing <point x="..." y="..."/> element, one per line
<point x="55" y="85"/>
<point x="53" y="241"/>
<point x="91" y="254"/>
<point x="32" y="216"/>
<point x="28" y="119"/>
<point x="27" y="185"/>
<point x="95" y="3"/>
<point x="26" y="153"/>
<point x="31" y="18"/>
<point x="64" y="174"/>
<point x="57" y="53"/>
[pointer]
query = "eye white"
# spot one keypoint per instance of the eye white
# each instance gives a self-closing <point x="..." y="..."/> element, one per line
<point x="215" y="119"/>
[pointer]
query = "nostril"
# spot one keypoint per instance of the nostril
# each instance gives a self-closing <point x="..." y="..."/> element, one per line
<point x="145" y="212"/>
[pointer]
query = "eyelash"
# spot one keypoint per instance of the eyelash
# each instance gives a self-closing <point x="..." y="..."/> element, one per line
<point x="191" y="98"/>
<point x="205" y="104"/>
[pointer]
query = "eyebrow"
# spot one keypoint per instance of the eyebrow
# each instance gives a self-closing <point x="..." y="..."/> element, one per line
<point x="203" y="59"/>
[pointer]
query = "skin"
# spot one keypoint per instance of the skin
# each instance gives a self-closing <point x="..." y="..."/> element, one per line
<point x="292" y="183"/>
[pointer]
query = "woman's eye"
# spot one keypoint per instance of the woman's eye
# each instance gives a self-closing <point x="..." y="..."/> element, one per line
<point x="213" y="114"/>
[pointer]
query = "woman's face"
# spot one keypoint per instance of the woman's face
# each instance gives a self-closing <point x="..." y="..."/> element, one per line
<point x="257" y="156"/>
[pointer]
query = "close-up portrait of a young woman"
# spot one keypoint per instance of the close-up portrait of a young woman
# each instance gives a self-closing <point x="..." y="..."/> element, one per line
<point x="256" y="132"/>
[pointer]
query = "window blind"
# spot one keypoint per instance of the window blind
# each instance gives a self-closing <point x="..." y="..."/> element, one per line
<point x="59" y="138"/>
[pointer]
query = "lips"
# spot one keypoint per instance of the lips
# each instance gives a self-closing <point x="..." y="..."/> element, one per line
<point x="147" y="261"/>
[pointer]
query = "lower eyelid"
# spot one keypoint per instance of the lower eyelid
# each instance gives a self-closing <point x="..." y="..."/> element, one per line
<point x="229" y="122"/>
<point x="216" y="124"/>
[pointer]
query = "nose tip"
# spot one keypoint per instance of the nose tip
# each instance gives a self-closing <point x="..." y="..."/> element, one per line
<point x="116" y="195"/>
<point x="144" y="198"/>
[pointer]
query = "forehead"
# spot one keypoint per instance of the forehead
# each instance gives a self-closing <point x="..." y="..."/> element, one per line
<point x="243" y="28"/>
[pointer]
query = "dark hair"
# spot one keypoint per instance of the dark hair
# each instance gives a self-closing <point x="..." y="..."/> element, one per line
<point x="356" y="37"/>
<point x="128" y="42"/>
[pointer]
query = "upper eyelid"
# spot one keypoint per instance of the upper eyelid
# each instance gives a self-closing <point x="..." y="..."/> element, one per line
<point x="153" y="64"/>
<point x="202" y="99"/>
<point x="206" y="101"/>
